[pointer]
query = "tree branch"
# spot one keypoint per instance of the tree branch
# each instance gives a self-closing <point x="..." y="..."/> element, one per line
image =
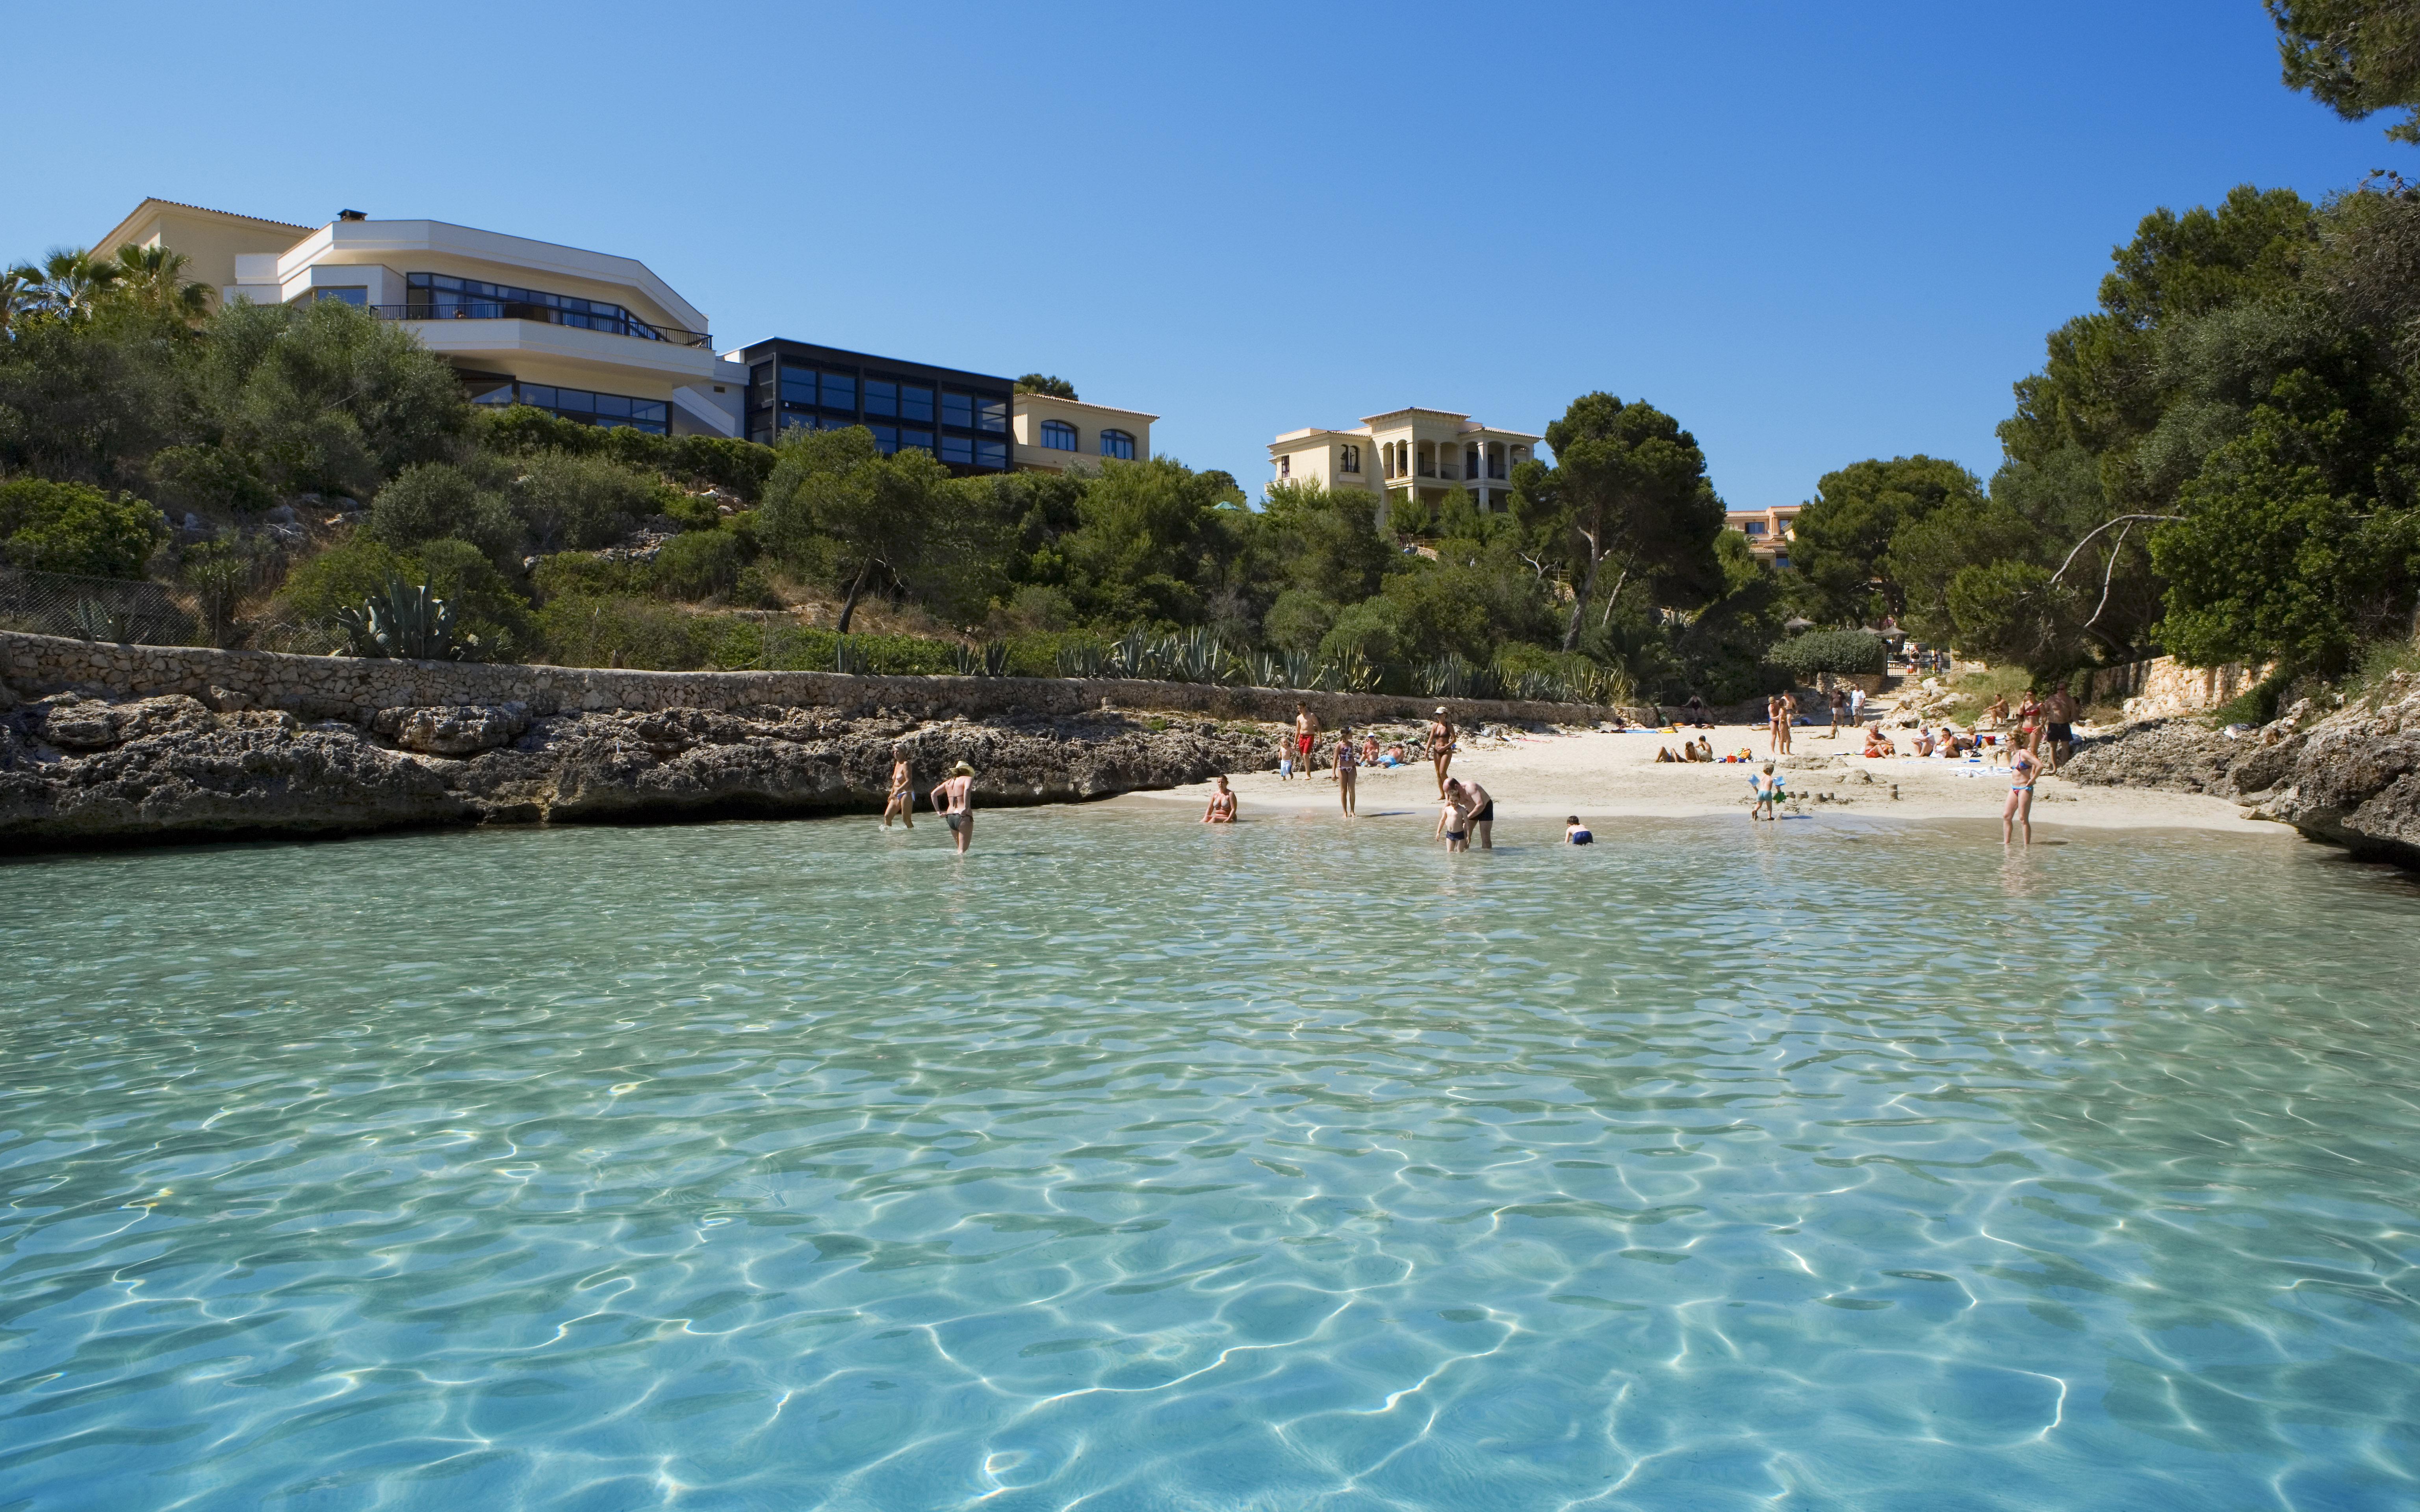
<point x="2097" y="530"/>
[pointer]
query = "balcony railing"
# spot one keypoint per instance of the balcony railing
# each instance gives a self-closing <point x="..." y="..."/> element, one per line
<point x="514" y="310"/>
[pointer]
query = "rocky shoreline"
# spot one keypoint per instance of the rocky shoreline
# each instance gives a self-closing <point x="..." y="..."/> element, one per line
<point x="2348" y="777"/>
<point x="78" y="770"/>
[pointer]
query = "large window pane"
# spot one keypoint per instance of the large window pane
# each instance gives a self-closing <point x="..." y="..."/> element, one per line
<point x="1117" y="443"/>
<point x="881" y="396"/>
<point x="959" y="409"/>
<point x="797" y="384"/>
<point x="612" y="404"/>
<point x="957" y="449"/>
<point x="991" y="454"/>
<point x="539" y="394"/>
<point x="839" y="391"/>
<point x="1058" y="435"/>
<point x="991" y="414"/>
<point x="915" y="402"/>
<point x="886" y="436"/>
<point x="917" y="438"/>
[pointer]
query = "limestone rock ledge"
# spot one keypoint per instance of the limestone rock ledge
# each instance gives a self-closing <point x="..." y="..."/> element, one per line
<point x="77" y="769"/>
<point x="2350" y="776"/>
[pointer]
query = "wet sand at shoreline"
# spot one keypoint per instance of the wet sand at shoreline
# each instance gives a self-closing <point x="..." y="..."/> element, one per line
<point x="1601" y="776"/>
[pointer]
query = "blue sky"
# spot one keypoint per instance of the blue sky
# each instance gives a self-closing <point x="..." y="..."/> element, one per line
<point x="1814" y="232"/>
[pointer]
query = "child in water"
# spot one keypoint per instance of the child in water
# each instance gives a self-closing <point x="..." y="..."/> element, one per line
<point x="1575" y="833"/>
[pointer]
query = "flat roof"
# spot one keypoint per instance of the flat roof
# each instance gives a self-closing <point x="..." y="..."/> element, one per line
<point x="785" y="347"/>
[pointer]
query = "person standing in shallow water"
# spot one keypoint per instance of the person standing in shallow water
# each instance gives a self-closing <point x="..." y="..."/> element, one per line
<point x="1478" y="812"/>
<point x="2023" y="767"/>
<point x="1348" y="767"/>
<point x="955" y="799"/>
<point x="1222" y="804"/>
<point x="903" y="789"/>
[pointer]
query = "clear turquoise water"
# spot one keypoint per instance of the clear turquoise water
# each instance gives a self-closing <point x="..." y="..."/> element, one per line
<point x="1134" y="1166"/>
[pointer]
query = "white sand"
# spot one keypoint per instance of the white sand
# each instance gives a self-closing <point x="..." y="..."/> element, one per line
<point x="1602" y="776"/>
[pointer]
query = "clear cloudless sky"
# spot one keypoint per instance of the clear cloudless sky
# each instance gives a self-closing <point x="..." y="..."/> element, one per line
<point x="1813" y="232"/>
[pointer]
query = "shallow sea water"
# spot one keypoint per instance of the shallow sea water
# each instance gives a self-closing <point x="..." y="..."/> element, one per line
<point x="1132" y="1165"/>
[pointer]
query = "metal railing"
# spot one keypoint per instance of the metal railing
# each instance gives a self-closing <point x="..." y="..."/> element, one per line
<point x="520" y="310"/>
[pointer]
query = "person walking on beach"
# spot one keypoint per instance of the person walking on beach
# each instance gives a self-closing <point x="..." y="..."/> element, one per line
<point x="1788" y="717"/>
<point x="1772" y="724"/>
<point x="1839" y="707"/>
<point x="2022" y="769"/>
<point x="1767" y="790"/>
<point x="955" y="798"/>
<point x="1285" y="758"/>
<point x="1222" y="804"/>
<point x="903" y="789"/>
<point x="1856" y="704"/>
<point x="2058" y="723"/>
<point x="1306" y="735"/>
<point x="1478" y="812"/>
<point x="1348" y="767"/>
<point x="1441" y="737"/>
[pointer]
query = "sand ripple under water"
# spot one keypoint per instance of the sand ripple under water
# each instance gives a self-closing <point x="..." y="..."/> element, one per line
<point x="1136" y="1166"/>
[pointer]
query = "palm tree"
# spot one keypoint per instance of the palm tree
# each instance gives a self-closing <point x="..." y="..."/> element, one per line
<point x="16" y="299"/>
<point x="154" y="276"/>
<point x="68" y="284"/>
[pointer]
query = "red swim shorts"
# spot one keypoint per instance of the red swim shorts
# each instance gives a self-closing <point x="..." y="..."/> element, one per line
<point x="1302" y="744"/>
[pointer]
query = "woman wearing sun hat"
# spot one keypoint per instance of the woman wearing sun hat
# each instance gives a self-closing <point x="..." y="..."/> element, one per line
<point x="955" y="796"/>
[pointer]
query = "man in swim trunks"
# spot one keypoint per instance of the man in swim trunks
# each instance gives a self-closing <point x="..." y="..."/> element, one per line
<point x="903" y="789"/>
<point x="1222" y="804"/>
<point x="1306" y="735"/>
<point x="955" y="798"/>
<point x="1441" y="734"/>
<point x="2059" y="719"/>
<point x="1478" y="812"/>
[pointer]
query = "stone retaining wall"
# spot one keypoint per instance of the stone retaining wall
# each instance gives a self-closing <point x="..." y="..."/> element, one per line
<point x="356" y="688"/>
<point x="2165" y="688"/>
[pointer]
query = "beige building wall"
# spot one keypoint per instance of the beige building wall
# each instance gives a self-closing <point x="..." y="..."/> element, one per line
<point x="212" y="241"/>
<point x="1030" y="413"/>
<point x="1427" y="452"/>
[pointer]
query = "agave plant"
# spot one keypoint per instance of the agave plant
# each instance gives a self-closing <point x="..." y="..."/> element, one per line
<point x="96" y="621"/>
<point x="1447" y="677"/>
<point x="1083" y="660"/>
<point x="1134" y="654"/>
<point x="1352" y="672"/>
<point x="1260" y="670"/>
<point x="1194" y="656"/>
<point x="406" y="622"/>
<point x="1299" y="668"/>
<point x="848" y="655"/>
<point x="990" y="660"/>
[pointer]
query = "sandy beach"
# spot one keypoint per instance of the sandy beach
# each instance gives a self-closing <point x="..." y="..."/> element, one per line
<point x="1601" y="776"/>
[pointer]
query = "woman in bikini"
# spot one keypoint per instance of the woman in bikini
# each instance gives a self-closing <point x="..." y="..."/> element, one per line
<point x="2022" y="768"/>
<point x="903" y="789"/>
<point x="1348" y="766"/>
<point x="1223" y="805"/>
<point x="1441" y="746"/>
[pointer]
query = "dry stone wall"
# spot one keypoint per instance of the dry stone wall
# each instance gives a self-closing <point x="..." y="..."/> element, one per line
<point x="357" y="688"/>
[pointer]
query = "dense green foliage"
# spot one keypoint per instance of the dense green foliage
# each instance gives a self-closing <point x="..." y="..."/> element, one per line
<point x="2355" y="56"/>
<point x="73" y="528"/>
<point x="1836" y="652"/>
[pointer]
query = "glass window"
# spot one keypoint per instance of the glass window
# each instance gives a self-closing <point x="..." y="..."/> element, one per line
<point x="1118" y="443"/>
<point x="760" y="384"/>
<point x="881" y="396"/>
<point x="886" y="436"/>
<point x="441" y="297"/>
<point x="991" y="414"/>
<point x="991" y="454"/>
<point x="957" y="449"/>
<point x="797" y="384"/>
<point x="839" y="391"/>
<point x="539" y="394"/>
<point x="612" y="404"/>
<point x="345" y="296"/>
<point x="1351" y="460"/>
<point x="916" y="438"/>
<point x="501" y="395"/>
<point x="915" y="402"/>
<point x="959" y="409"/>
<point x="1754" y="526"/>
<point x="1058" y="435"/>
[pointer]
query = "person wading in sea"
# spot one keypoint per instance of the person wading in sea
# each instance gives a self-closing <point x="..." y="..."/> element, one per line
<point x="1222" y="804"/>
<point x="1348" y="767"/>
<point x="1478" y="812"/>
<point x="903" y="789"/>
<point x="2022" y="769"/>
<point x="954" y="797"/>
<point x="1441" y="745"/>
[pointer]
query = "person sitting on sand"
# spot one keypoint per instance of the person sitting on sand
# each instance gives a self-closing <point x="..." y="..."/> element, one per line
<point x="1222" y="804"/>
<point x="1922" y="741"/>
<point x="1394" y="756"/>
<point x="1703" y="751"/>
<point x="1369" y="750"/>
<point x="1878" y="744"/>
<point x="1995" y="714"/>
<point x="1575" y="833"/>
<point x="1663" y="753"/>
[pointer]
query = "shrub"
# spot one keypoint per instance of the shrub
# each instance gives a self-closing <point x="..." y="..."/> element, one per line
<point x="577" y="572"/>
<point x="582" y="631"/>
<point x="1298" y="619"/>
<point x="1371" y="630"/>
<point x="1841" y="652"/>
<point x="699" y="564"/>
<point x="351" y="573"/>
<point x="436" y="500"/>
<point x="71" y="528"/>
<point x="582" y="502"/>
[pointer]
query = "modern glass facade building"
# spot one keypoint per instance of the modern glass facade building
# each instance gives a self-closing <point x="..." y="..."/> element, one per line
<point x="961" y="418"/>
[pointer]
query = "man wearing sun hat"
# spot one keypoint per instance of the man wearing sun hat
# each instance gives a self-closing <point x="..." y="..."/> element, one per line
<point x="955" y="796"/>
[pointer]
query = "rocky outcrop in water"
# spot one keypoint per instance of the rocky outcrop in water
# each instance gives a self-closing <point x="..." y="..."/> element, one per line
<point x="2350" y="776"/>
<point x="78" y="769"/>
